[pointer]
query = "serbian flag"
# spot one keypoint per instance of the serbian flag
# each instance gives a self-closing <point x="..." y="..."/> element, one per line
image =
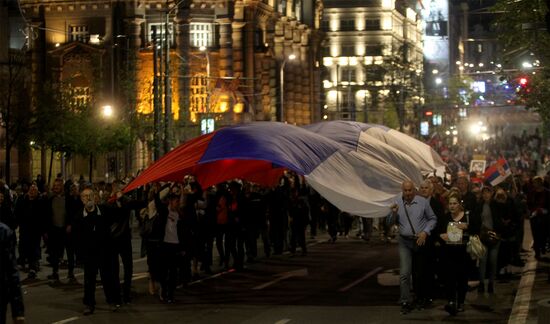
<point x="497" y="172"/>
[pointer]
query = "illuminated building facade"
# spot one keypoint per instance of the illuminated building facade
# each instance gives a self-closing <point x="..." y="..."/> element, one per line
<point x="372" y="58"/>
<point x="225" y="61"/>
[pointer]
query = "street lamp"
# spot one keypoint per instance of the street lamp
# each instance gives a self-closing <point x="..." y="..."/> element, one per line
<point x="208" y="125"/>
<point x="282" y="90"/>
<point x="107" y="111"/>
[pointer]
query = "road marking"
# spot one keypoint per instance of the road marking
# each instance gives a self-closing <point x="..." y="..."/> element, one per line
<point x="358" y="281"/>
<point x="520" y="309"/>
<point x="283" y="276"/>
<point x="283" y="321"/>
<point x="70" y="319"/>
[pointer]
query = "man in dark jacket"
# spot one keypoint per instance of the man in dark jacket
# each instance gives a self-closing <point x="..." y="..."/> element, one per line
<point x="29" y="211"/>
<point x="10" y="291"/>
<point x="92" y="230"/>
<point x="58" y="225"/>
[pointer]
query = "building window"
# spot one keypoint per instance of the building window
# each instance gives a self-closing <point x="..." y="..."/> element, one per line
<point x="348" y="50"/>
<point x="198" y="102"/>
<point x="348" y="105"/>
<point x="161" y="34"/>
<point x="373" y="24"/>
<point x="347" y="25"/>
<point x="201" y="34"/>
<point x="373" y="50"/>
<point x="374" y="73"/>
<point x="80" y="96"/>
<point x="79" y="34"/>
<point x="347" y="74"/>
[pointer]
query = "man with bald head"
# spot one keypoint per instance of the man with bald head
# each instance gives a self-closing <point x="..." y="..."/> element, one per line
<point x="416" y="220"/>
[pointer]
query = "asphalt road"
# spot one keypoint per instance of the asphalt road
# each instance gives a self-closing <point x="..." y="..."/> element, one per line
<point x="350" y="281"/>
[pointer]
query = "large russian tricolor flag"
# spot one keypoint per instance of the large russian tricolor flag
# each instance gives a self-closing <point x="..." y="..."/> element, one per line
<point x="497" y="172"/>
<point x="358" y="172"/>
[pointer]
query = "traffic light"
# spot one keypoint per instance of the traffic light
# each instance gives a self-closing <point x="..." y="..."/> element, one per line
<point x="523" y="81"/>
<point x="523" y="88"/>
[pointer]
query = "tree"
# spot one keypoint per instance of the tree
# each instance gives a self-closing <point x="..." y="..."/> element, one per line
<point x="14" y="106"/>
<point x="403" y="82"/>
<point x="74" y="127"/>
<point x="523" y="30"/>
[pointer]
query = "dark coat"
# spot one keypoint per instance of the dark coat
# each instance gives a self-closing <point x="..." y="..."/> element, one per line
<point x="10" y="286"/>
<point x="498" y="212"/>
<point x="31" y="215"/>
<point x="92" y="232"/>
<point x="159" y="226"/>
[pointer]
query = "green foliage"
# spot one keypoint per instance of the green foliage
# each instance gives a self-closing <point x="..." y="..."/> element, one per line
<point x="536" y="96"/>
<point x="523" y="30"/>
<point x="521" y="27"/>
<point x="14" y="100"/>
<point x="403" y="80"/>
<point x="66" y="126"/>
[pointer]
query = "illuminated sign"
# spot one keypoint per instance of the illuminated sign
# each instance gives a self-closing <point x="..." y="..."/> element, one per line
<point x="478" y="86"/>
<point x="436" y="38"/>
<point x="207" y="125"/>
<point x="437" y="120"/>
<point x="424" y="128"/>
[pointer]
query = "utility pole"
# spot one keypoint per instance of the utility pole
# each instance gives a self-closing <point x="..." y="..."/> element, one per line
<point x="156" y="99"/>
<point x="168" y="90"/>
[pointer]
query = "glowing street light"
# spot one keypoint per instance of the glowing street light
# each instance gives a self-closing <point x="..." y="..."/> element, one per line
<point x="107" y="111"/>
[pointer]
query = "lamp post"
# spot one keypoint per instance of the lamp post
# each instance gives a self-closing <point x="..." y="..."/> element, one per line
<point x="282" y="86"/>
<point x="167" y="84"/>
<point x="207" y="120"/>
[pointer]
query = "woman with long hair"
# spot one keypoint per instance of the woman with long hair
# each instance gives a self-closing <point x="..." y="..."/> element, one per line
<point x="453" y="230"/>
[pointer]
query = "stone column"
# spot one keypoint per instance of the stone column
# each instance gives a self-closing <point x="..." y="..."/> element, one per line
<point x="288" y="89"/>
<point x="278" y="39"/>
<point x="237" y="39"/>
<point x="269" y="75"/>
<point x="252" y="62"/>
<point x="133" y="31"/>
<point x="226" y="51"/>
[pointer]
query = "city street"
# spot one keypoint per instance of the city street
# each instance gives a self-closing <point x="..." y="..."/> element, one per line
<point x="350" y="281"/>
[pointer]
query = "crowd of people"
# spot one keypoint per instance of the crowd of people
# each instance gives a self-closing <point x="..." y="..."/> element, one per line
<point x="181" y="224"/>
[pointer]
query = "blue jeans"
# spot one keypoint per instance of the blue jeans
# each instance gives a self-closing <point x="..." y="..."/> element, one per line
<point x="414" y="269"/>
<point x="489" y="262"/>
<point x="405" y="268"/>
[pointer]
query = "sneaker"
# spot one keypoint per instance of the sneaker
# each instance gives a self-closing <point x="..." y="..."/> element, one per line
<point x="54" y="277"/>
<point x="89" y="310"/>
<point x="405" y="308"/>
<point x="451" y="308"/>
